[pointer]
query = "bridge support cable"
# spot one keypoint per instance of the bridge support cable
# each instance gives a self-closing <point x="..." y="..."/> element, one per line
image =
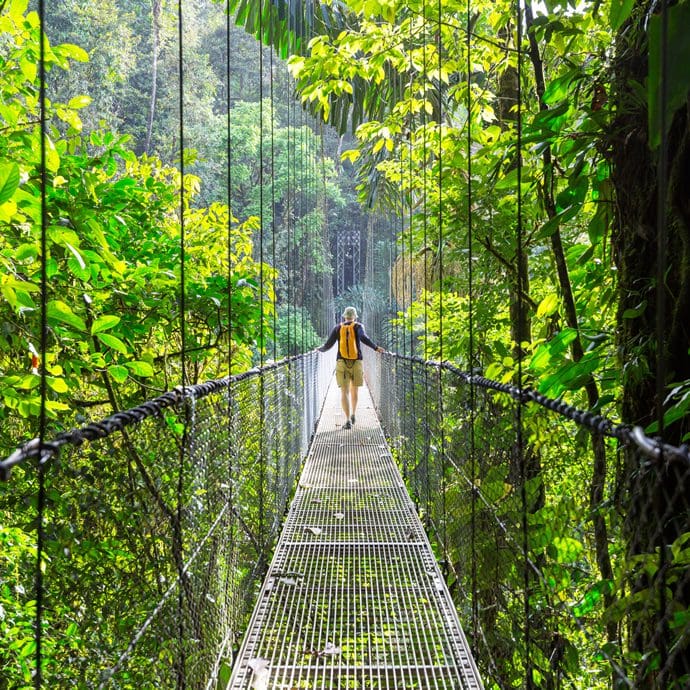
<point x="116" y="579"/>
<point x="353" y="596"/>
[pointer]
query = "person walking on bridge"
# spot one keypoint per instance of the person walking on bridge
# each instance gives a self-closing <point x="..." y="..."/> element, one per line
<point x="349" y="334"/>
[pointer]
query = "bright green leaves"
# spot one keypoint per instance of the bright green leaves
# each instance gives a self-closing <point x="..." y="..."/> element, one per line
<point x="677" y="77"/>
<point x="17" y="292"/>
<point x="104" y="323"/>
<point x="549" y="305"/>
<point x="72" y="52"/>
<point x="140" y="368"/>
<point x="558" y="88"/>
<point x="619" y="11"/>
<point x="60" y="313"/>
<point x="593" y="598"/>
<point x="112" y="234"/>
<point x="113" y="342"/>
<point x="118" y="372"/>
<point x="9" y="181"/>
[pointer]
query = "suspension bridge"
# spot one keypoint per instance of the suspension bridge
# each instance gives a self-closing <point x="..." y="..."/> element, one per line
<point x="246" y="492"/>
<point x="467" y="533"/>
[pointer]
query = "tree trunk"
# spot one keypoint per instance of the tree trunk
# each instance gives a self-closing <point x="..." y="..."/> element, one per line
<point x="156" y="7"/>
<point x="599" y="468"/>
<point x="657" y="510"/>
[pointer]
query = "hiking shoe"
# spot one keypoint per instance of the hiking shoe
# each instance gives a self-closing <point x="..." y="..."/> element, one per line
<point x="347" y="425"/>
<point x="352" y="419"/>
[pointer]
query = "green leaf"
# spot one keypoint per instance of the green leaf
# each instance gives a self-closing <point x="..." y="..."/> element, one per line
<point x="79" y="102"/>
<point x="619" y="11"/>
<point x="75" y="52"/>
<point x="26" y="251"/>
<point x="678" y="75"/>
<point x="59" y="311"/>
<point x="566" y="549"/>
<point x="52" y="156"/>
<point x="635" y="311"/>
<point x="9" y="181"/>
<point x="104" y="323"/>
<point x="557" y="89"/>
<point x="571" y="376"/>
<point x="140" y="368"/>
<point x="118" y="372"/>
<point x="595" y="594"/>
<point x="548" y="305"/>
<point x="76" y="253"/>
<point x="550" y="227"/>
<point x="113" y="342"/>
<point x="55" y="406"/>
<point x="58" y="385"/>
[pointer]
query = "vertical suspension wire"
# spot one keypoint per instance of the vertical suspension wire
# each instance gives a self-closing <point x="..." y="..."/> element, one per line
<point x="228" y="162"/>
<point x="521" y="285"/>
<point x="325" y="232"/>
<point x="425" y="229"/>
<point x="661" y="221"/>
<point x="404" y="260"/>
<point x="262" y="277"/>
<point x="439" y="49"/>
<point x="410" y="210"/>
<point x="302" y="205"/>
<point x="425" y="219"/>
<point x="293" y="217"/>
<point x="393" y="256"/>
<point x="273" y="214"/>
<point x="470" y="320"/>
<point x="232" y="551"/>
<point x="288" y="212"/>
<point x="662" y="350"/>
<point x="179" y="546"/>
<point x="310" y="228"/>
<point x="43" y="349"/>
<point x="410" y="121"/>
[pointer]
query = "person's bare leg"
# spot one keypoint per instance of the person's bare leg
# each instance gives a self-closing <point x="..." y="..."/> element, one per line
<point x="344" y="400"/>
<point x="354" y="392"/>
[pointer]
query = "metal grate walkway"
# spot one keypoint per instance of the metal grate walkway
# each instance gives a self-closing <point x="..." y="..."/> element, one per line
<point x="353" y="597"/>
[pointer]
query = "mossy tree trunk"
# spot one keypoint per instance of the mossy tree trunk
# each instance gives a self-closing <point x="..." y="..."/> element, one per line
<point x="657" y="510"/>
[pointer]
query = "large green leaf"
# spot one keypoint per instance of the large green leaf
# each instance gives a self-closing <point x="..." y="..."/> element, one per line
<point x="59" y="311"/>
<point x="619" y="11"/>
<point x="113" y="342"/>
<point x="140" y="368"/>
<point x="104" y="323"/>
<point x="9" y="180"/>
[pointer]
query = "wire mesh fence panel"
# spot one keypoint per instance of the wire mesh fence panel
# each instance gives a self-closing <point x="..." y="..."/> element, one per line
<point x="157" y="531"/>
<point x="563" y="537"/>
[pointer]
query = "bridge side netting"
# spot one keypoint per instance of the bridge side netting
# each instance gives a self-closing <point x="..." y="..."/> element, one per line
<point x="523" y="538"/>
<point x="153" y="586"/>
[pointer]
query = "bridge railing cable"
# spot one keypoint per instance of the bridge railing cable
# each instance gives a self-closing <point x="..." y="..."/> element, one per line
<point x="113" y="567"/>
<point x="606" y="632"/>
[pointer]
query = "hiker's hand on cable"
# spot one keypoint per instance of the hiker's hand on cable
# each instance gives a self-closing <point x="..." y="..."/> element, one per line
<point x="380" y="349"/>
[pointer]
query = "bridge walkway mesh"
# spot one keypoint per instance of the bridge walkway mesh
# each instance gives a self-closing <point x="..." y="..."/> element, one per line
<point x="353" y="597"/>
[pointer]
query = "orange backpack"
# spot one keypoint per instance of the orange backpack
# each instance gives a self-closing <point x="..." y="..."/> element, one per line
<point x="348" y="341"/>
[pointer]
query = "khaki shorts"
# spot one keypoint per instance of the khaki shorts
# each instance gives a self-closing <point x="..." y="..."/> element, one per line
<point x="347" y="370"/>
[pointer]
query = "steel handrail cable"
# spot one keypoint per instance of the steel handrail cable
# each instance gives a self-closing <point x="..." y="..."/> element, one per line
<point x="122" y="419"/>
<point x="506" y="527"/>
<point x="654" y="448"/>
